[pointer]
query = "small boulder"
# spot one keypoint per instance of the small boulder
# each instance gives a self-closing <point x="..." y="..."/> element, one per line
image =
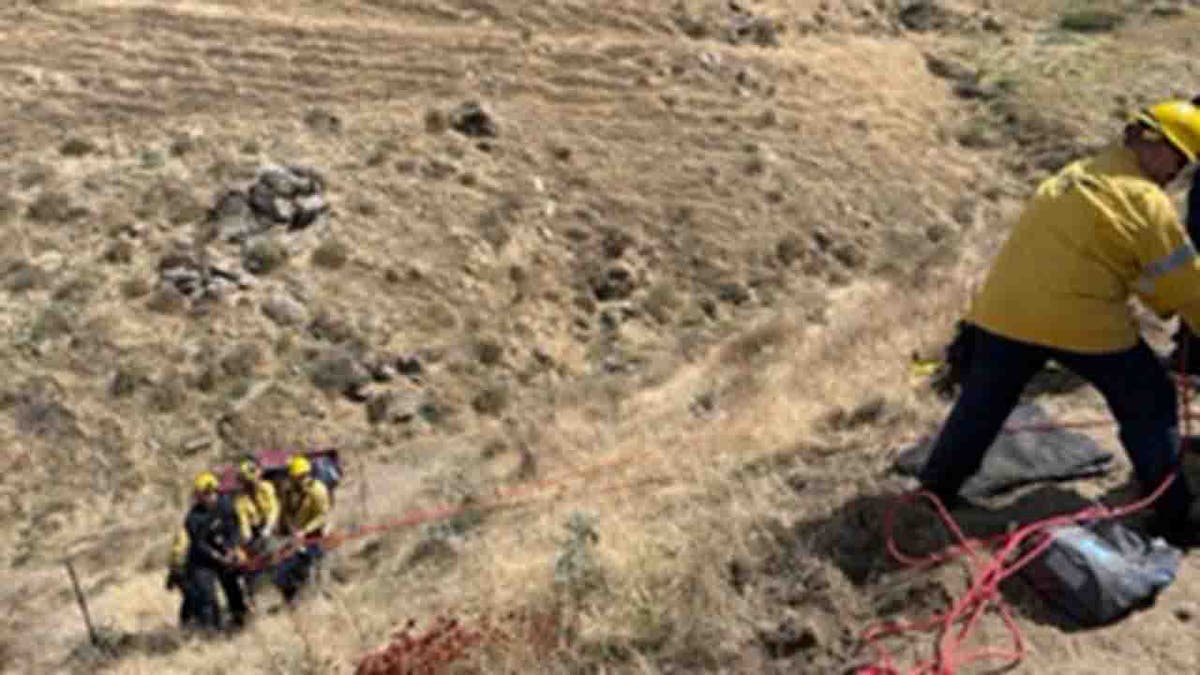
<point x="339" y="371"/>
<point x="379" y="408"/>
<point x="283" y="183"/>
<point x="409" y="366"/>
<point x="285" y="310"/>
<point x="949" y="69"/>
<point x="762" y="31"/>
<point x="472" y="119"/>
<point x="733" y="292"/>
<point x="308" y="209"/>
<point x="231" y="217"/>
<point x="617" y="282"/>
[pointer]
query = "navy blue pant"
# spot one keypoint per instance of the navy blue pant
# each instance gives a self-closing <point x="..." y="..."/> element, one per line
<point x="1134" y="383"/>
<point x="293" y="571"/>
<point x="200" y="593"/>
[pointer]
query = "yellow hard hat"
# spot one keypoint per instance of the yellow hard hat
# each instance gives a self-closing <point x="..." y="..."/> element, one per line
<point x="248" y="469"/>
<point x="205" y="481"/>
<point x="299" y="467"/>
<point x="1178" y="122"/>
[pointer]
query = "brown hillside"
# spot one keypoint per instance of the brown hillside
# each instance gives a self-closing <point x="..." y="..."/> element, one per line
<point x="698" y="231"/>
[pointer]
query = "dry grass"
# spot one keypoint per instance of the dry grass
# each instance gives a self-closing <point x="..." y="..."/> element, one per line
<point x="782" y="267"/>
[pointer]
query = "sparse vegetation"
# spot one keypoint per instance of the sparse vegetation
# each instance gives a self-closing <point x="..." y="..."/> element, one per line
<point x="672" y="281"/>
<point x="331" y="254"/>
<point x="264" y="255"/>
<point x="77" y="147"/>
<point x="1091" y="20"/>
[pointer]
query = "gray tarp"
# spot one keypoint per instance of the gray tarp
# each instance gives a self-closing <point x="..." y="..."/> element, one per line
<point x="1021" y="458"/>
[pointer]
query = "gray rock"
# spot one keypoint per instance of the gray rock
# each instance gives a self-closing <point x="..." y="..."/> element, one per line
<point x="976" y="90"/>
<point x="382" y="370"/>
<point x="283" y="210"/>
<point x="308" y="209"/>
<point x="472" y="119"/>
<point x="232" y="216"/>
<point x="262" y="202"/>
<point x="181" y="275"/>
<point x="285" y="310"/>
<point x="313" y="181"/>
<point x="282" y="182"/>
<point x="379" y="408"/>
<point x="617" y="282"/>
<point x="924" y="15"/>
<point x="217" y="288"/>
<point x="395" y="407"/>
<point x="950" y="69"/>
<point x="757" y="30"/>
<point x="338" y="370"/>
<point x="231" y="203"/>
<point x="409" y="366"/>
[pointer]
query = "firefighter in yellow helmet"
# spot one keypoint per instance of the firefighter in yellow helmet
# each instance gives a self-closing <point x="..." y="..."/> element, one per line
<point x="257" y="508"/>
<point x="256" y="504"/>
<point x="1098" y="232"/>
<point x="212" y="546"/>
<point x="306" y="516"/>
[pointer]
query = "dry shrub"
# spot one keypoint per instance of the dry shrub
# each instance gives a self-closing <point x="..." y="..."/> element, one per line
<point x="331" y="254"/>
<point x="409" y="651"/>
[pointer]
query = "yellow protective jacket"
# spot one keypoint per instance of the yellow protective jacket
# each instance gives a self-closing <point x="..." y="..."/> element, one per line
<point x="307" y="508"/>
<point x="1090" y="237"/>
<point x="179" y="549"/>
<point x="257" y="511"/>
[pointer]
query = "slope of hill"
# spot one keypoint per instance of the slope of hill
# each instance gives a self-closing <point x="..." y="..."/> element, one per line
<point x="698" y="248"/>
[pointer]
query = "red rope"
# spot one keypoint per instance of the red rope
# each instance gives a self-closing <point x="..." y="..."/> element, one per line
<point x="1003" y="559"/>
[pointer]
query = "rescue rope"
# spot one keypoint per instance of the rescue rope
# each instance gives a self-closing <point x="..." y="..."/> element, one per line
<point x="955" y="625"/>
<point x="1009" y="553"/>
<point x="501" y="499"/>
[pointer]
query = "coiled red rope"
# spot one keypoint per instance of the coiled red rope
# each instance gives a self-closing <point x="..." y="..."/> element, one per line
<point x="992" y="561"/>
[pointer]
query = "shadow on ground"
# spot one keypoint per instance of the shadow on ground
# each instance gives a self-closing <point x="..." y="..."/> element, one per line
<point x="112" y="645"/>
<point x="854" y="539"/>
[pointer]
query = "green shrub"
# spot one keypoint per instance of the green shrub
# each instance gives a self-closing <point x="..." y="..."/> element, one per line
<point x="1090" y="21"/>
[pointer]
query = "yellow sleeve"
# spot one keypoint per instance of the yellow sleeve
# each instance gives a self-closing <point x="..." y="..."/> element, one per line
<point x="268" y="502"/>
<point x="316" y="507"/>
<point x="246" y="515"/>
<point x="179" y="548"/>
<point x="1170" y="270"/>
